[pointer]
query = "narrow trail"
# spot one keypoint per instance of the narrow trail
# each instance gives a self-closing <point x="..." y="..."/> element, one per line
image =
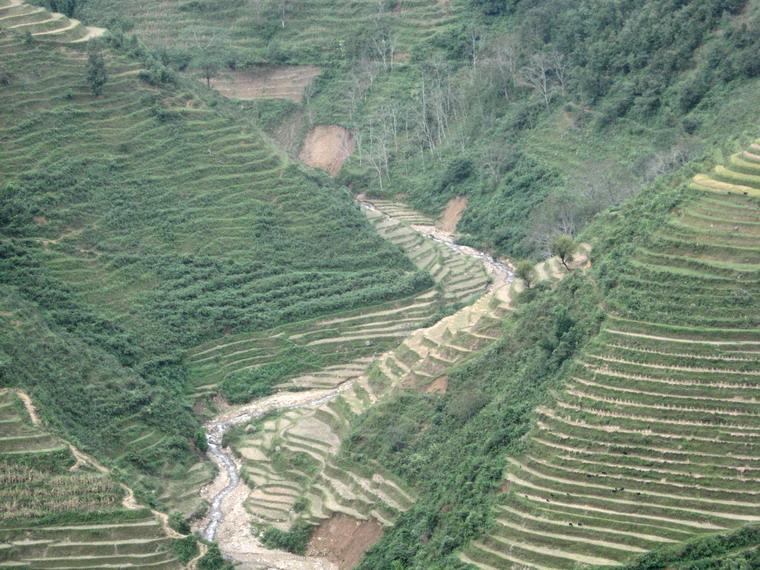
<point x="82" y="458"/>
<point x="227" y="521"/>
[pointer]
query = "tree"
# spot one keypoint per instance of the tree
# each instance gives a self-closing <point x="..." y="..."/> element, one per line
<point x="564" y="246"/>
<point x="209" y="64"/>
<point x="96" y="73"/>
<point x="524" y="271"/>
<point x="65" y="7"/>
<point x="537" y="74"/>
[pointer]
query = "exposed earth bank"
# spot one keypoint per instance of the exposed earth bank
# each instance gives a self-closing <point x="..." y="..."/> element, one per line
<point x="327" y="147"/>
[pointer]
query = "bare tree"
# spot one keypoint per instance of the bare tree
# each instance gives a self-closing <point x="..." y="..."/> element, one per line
<point x="377" y="154"/>
<point x="283" y="8"/>
<point x="505" y="58"/>
<point x="537" y="74"/>
<point x="560" y="68"/>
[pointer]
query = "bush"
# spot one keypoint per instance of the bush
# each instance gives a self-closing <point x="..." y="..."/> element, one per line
<point x="457" y="171"/>
<point x="213" y="559"/>
<point x="177" y="522"/>
<point x="295" y="540"/>
<point x="185" y="549"/>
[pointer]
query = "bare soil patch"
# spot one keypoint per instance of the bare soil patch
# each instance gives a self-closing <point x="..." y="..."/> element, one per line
<point x="452" y="214"/>
<point x="438" y="386"/>
<point x="40" y="220"/>
<point x="344" y="540"/>
<point x="288" y="82"/>
<point x="327" y="147"/>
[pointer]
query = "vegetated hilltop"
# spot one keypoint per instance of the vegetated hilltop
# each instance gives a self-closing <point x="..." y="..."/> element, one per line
<point x="543" y="113"/>
<point x="140" y="222"/>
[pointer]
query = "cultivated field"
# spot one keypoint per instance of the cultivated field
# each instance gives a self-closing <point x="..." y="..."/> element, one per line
<point x="145" y="221"/>
<point x="44" y="25"/>
<point x="310" y="31"/>
<point x="290" y="460"/>
<point x="342" y="344"/>
<point x="59" y="511"/>
<point x="654" y="437"/>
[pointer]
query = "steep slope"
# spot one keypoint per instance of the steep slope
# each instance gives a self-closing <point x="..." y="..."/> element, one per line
<point x="277" y="31"/>
<point x="43" y="25"/>
<point x="288" y="447"/>
<point x="653" y="437"/>
<point x="58" y="510"/>
<point x="143" y="222"/>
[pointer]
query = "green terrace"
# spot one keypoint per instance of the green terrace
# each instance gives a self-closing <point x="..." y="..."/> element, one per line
<point x="146" y="221"/>
<point x="244" y="365"/>
<point x="654" y="436"/>
<point x="44" y="25"/>
<point x="299" y="31"/>
<point x="59" y="512"/>
<point x="291" y="459"/>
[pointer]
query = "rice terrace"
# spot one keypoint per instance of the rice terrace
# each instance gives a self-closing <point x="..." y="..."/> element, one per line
<point x="380" y="284"/>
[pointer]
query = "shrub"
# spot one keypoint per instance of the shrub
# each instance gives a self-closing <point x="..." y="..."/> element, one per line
<point x="177" y="522"/>
<point x="185" y="549"/>
<point x="295" y="540"/>
<point x="213" y="560"/>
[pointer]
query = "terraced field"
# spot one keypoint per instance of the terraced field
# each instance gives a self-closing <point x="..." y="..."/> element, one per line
<point x="44" y="25"/>
<point x="58" y="511"/>
<point x="346" y="342"/>
<point x="289" y="459"/>
<point x="167" y="222"/>
<point x="305" y="31"/>
<point x="654" y="437"/>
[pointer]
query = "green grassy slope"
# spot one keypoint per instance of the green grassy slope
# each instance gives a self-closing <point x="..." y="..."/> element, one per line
<point x="271" y="31"/>
<point x="143" y="222"/>
<point x="623" y="107"/>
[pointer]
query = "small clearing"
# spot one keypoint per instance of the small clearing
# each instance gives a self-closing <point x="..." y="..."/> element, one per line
<point x="327" y="147"/>
<point x="344" y="540"/>
<point x="452" y="214"/>
<point x="288" y="82"/>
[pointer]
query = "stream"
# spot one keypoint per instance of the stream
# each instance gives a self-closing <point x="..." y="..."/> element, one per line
<point x="216" y="428"/>
<point x="501" y="272"/>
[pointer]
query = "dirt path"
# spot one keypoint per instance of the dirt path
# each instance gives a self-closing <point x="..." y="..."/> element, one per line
<point x="82" y="458"/>
<point x="30" y="409"/>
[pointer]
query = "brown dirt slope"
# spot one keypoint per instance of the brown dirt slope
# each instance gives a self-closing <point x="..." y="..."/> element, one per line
<point x="287" y="82"/>
<point x="344" y="540"/>
<point x="327" y="147"/>
<point x="452" y="214"/>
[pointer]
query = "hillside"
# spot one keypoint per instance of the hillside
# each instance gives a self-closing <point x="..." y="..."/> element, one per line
<point x="652" y="438"/>
<point x="61" y="509"/>
<point x="498" y="101"/>
<point x="406" y="284"/>
<point x="140" y="223"/>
